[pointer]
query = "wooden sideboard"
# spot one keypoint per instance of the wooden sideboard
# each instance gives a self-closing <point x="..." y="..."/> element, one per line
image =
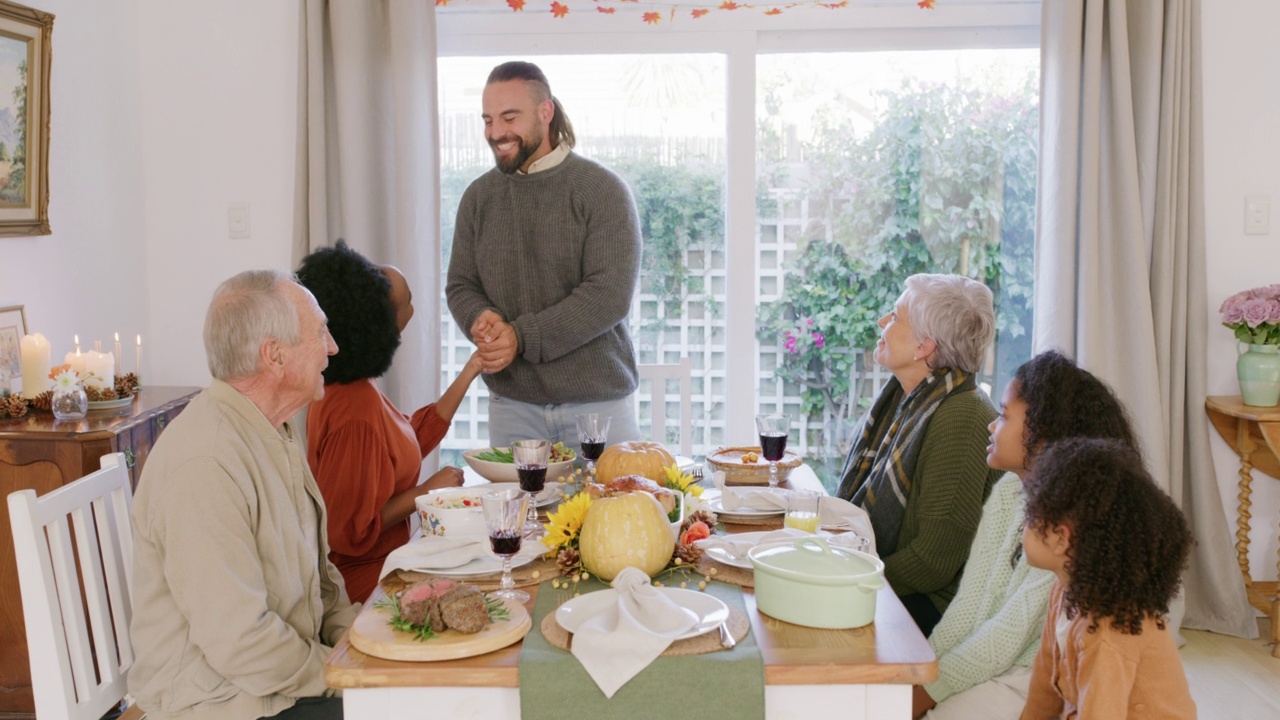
<point x="40" y="453"/>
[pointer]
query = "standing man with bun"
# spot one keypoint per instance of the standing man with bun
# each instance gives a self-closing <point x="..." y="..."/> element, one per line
<point x="546" y="257"/>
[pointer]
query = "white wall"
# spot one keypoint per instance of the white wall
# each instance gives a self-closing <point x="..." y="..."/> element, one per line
<point x="1242" y="157"/>
<point x="89" y="277"/>
<point x="218" y="103"/>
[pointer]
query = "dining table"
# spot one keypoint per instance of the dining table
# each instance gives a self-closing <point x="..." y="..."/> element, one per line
<point x="854" y="674"/>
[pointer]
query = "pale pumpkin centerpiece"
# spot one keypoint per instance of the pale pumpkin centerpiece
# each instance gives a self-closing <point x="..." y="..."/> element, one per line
<point x="633" y="457"/>
<point x="631" y="529"/>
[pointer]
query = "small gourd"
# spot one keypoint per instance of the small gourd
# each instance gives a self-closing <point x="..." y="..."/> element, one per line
<point x="633" y="457"/>
<point x="625" y="530"/>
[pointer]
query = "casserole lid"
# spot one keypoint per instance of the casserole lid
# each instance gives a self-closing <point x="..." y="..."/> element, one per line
<point x="812" y="559"/>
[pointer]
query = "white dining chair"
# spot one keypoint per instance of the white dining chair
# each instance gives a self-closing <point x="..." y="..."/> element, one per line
<point x="74" y="550"/>
<point x="657" y="375"/>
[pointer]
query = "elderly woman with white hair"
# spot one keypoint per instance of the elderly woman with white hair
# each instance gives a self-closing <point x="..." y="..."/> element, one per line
<point x="919" y="463"/>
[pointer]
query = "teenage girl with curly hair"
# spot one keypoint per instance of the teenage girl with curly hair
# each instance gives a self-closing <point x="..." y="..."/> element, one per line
<point x="1117" y="546"/>
<point x="989" y="635"/>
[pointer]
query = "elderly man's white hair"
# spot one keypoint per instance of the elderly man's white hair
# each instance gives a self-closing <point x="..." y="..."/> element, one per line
<point x="955" y="312"/>
<point x="245" y="311"/>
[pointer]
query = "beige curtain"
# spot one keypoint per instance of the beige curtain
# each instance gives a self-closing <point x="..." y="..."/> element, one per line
<point x="1120" y="253"/>
<point x="368" y="169"/>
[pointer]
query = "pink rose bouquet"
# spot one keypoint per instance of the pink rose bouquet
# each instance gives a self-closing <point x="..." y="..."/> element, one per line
<point x="1254" y="315"/>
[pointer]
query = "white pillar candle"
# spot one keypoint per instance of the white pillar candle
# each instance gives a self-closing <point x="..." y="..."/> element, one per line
<point x="99" y="369"/>
<point x="76" y="361"/>
<point x="35" y="365"/>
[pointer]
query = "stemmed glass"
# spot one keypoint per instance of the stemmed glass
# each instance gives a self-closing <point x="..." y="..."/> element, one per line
<point x="503" y="516"/>
<point x="773" y="429"/>
<point x="531" y="458"/>
<point x="593" y="430"/>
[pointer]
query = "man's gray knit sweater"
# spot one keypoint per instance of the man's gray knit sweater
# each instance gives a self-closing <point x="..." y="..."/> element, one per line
<point x="556" y="254"/>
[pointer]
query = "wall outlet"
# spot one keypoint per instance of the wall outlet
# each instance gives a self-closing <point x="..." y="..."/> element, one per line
<point x="1257" y="215"/>
<point x="238" y="220"/>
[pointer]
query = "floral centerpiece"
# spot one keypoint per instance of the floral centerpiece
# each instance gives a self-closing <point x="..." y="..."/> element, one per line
<point x="69" y="401"/>
<point x="564" y="526"/>
<point x="1254" y="315"/>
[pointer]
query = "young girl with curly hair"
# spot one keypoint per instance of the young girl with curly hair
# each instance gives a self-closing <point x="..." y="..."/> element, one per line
<point x="989" y="635"/>
<point x="1117" y="546"/>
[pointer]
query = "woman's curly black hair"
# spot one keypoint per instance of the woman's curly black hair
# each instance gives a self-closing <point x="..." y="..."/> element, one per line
<point x="1129" y="542"/>
<point x="1063" y="401"/>
<point x="356" y="296"/>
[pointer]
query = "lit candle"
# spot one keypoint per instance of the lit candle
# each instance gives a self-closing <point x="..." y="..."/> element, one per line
<point x="97" y="346"/>
<point x="76" y="361"/>
<point x="98" y="369"/>
<point x="137" y="360"/>
<point x="117" y="354"/>
<point x="35" y="365"/>
<point x="77" y="337"/>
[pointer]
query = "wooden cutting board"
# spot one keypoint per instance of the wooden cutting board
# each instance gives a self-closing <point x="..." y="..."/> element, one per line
<point x="372" y="634"/>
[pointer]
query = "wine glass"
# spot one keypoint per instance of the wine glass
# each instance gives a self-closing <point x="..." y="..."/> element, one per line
<point x="531" y="458"/>
<point x="504" y="517"/>
<point x="773" y="429"/>
<point x="593" y="430"/>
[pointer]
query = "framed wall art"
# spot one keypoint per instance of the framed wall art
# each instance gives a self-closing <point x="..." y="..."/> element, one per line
<point x="25" y="35"/>
<point x="13" y="326"/>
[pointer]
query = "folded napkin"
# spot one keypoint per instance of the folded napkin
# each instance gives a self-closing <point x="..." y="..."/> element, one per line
<point x="738" y="544"/>
<point x="625" y="636"/>
<point x="435" y="553"/>
<point x="832" y="511"/>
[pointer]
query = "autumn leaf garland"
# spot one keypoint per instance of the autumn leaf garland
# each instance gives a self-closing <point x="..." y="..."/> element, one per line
<point x="561" y="10"/>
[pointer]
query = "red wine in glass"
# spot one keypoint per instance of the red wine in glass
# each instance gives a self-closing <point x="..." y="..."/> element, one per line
<point x="773" y="447"/>
<point x="533" y="478"/>
<point x="592" y="449"/>
<point x="505" y="542"/>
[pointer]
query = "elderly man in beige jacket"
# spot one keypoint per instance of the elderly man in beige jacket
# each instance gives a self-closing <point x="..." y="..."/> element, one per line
<point x="236" y="603"/>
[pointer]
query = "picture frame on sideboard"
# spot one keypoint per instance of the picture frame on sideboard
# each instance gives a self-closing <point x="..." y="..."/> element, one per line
<point x="13" y="327"/>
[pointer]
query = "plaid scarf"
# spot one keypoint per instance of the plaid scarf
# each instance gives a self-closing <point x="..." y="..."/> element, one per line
<point x="877" y="475"/>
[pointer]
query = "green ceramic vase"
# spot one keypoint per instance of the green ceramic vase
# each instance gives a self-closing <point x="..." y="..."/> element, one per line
<point x="1259" y="371"/>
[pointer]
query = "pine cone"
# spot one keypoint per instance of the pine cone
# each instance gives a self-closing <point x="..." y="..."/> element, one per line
<point x="690" y="554"/>
<point x="705" y="516"/>
<point x="15" y="406"/>
<point x="569" y="562"/>
<point x="43" y="401"/>
<point x="126" y="385"/>
<point x="97" y="394"/>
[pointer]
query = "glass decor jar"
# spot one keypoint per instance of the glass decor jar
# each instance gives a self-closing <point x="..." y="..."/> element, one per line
<point x="70" y="404"/>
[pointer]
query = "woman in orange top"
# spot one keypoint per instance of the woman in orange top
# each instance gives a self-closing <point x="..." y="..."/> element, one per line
<point x="366" y="455"/>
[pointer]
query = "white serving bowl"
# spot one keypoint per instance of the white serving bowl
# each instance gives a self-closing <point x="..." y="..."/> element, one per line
<point x="506" y="472"/>
<point x="442" y="517"/>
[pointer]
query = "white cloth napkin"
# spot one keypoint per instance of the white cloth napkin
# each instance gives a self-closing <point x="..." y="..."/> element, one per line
<point x="832" y="511"/>
<point x="435" y="553"/>
<point x="738" y="544"/>
<point x="619" y="641"/>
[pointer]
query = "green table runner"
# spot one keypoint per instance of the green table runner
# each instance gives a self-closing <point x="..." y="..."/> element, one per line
<point x="726" y="684"/>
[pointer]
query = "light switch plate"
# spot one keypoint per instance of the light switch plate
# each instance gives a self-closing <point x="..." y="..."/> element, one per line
<point x="1257" y="214"/>
<point x="238" y="220"/>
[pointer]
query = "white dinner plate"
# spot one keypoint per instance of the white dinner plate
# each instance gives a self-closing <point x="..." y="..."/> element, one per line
<point x="708" y="610"/>
<point x="684" y="464"/>
<point x="490" y="563"/>
<point x="549" y="495"/>
<point x="713" y="499"/>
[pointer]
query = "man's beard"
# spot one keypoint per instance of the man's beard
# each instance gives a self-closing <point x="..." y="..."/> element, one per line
<point x="527" y="147"/>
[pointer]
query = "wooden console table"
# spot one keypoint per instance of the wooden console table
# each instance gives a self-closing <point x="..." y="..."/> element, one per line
<point x="1254" y="434"/>
<point x="43" y="454"/>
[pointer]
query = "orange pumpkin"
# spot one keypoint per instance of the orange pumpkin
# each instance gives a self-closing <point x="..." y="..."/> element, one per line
<point x="633" y="457"/>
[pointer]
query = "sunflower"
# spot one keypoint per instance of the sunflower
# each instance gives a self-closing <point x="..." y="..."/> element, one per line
<point x="680" y="482"/>
<point x="564" y="523"/>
